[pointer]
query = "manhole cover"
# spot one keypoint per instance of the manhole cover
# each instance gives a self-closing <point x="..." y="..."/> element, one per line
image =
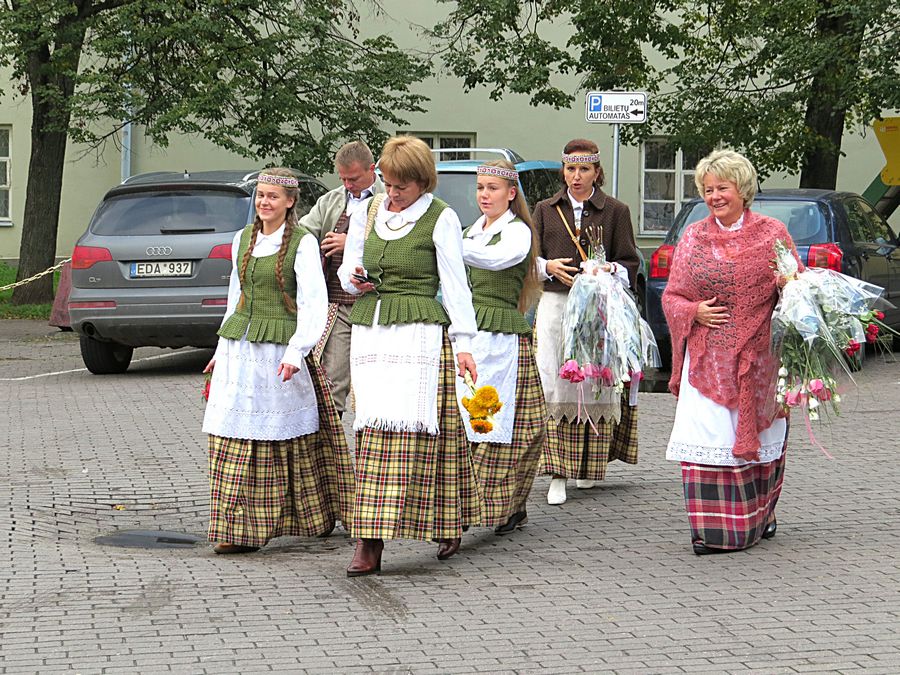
<point x="149" y="539"/>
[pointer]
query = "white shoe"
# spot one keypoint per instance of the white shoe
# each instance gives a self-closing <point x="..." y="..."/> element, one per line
<point x="585" y="484"/>
<point x="556" y="495"/>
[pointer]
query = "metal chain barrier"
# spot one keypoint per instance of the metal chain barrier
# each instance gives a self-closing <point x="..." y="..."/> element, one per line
<point x="35" y="277"/>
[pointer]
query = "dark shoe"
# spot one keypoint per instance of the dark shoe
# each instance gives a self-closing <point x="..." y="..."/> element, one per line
<point x="225" y="549"/>
<point x="448" y="548"/>
<point x="702" y="549"/>
<point x="367" y="558"/>
<point x="327" y="533"/>
<point x="770" y="530"/>
<point x="515" y="521"/>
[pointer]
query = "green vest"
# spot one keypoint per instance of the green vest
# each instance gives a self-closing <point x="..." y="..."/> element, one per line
<point x="405" y="275"/>
<point x="495" y="296"/>
<point x="263" y="316"/>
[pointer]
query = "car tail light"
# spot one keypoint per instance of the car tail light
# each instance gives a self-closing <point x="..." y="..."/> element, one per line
<point x="221" y="251"/>
<point x="96" y="304"/>
<point x="661" y="262"/>
<point x="214" y="302"/>
<point x="828" y="256"/>
<point x="85" y="257"/>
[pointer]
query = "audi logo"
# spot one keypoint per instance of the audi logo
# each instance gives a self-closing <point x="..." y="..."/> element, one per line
<point x="159" y="250"/>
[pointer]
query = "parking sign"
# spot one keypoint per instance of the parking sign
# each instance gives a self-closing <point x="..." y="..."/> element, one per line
<point x="616" y="107"/>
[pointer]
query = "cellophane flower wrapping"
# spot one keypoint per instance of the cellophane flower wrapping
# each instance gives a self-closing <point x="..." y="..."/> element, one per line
<point x="606" y="343"/>
<point x="822" y="317"/>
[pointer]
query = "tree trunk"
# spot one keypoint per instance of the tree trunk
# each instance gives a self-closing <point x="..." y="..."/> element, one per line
<point x="826" y="109"/>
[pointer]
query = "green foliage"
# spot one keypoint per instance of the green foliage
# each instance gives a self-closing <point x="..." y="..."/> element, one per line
<point x="766" y="77"/>
<point x="30" y="311"/>
<point x="270" y="78"/>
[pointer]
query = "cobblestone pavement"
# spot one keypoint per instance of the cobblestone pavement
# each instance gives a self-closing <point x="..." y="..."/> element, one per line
<point x="606" y="582"/>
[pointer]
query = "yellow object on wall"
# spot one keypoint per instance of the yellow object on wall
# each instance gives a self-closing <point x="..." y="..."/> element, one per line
<point x="887" y="131"/>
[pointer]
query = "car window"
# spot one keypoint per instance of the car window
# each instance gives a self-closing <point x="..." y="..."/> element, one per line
<point x="805" y="220"/>
<point x="552" y="182"/>
<point x="533" y="186"/>
<point x="860" y="227"/>
<point x="458" y="190"/>
<point x="309" y="195"/>
<point x="154" y="212"/>
<point x="878" y="228"/>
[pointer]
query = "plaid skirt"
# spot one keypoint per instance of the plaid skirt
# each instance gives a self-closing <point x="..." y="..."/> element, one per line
<point x="414" y="485"/>
<point x="730" y="506"/>
<point x="576" y="450"/>
<point x="260" y="490"/>
<point x="506" y="471"/>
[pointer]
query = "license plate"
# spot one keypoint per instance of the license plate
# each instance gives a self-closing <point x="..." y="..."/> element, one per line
<point x="167" y="268"/>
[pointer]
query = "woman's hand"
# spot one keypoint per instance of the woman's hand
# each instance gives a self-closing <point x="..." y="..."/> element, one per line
<point x="558" y="269"/>
<point x="711" y="316"/>
<point x="210" y="366"/>
<point x="466" y="363"/>
<point x="361" y="286"/>
<point x="286" y="371"/>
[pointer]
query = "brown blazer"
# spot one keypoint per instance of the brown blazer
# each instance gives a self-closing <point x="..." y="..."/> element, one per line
<point x="600" y="210"/>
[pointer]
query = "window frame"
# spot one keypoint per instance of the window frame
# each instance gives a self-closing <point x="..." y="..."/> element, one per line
<point x="433" y="139"/>
<point x="6" y="219"/>
<point x="683" y="176"/>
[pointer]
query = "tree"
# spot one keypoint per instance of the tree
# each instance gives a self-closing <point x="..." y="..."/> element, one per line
<point x="263" y="78"/>
<point x="779" y="80"/>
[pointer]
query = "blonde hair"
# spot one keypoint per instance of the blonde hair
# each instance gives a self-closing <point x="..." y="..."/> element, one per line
<point x="407" y="159"/>
<point x="354" y="152"/>
<point x="532" y="286"/>
<point x="731" y="166"/>
<point x="290" y="224"/>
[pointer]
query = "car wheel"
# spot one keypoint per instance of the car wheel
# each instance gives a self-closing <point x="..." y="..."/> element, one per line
<point x="105" y="358"/>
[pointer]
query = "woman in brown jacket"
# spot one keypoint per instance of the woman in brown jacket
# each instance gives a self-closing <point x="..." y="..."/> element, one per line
<point x="578" y="447"/>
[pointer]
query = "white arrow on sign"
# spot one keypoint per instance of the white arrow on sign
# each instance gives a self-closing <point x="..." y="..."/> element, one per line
<point x="615" y="107"/>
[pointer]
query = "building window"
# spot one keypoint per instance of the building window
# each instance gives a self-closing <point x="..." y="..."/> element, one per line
<point x="4" y="173"/>
<point x="441" y="141"/>
<point x="668" y="182"/>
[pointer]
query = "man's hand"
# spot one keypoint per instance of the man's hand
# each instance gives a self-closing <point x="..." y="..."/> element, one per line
<point x="332" y="243"/>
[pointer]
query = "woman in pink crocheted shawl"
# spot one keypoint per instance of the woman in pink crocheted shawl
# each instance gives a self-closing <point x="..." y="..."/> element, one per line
<point x="728" y="434"/>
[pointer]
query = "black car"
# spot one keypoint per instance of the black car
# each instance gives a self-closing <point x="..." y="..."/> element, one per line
<point x="152" y="269"/>
<point x="836" y="230"/>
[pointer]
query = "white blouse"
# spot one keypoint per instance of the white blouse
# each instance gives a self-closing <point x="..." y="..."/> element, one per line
<point x="390" y="226"/>
<point x="512" y="248"/>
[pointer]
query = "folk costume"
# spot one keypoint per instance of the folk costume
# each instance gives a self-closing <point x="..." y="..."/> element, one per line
<point x="581" y="449"/>
<point x="331" y="213"/>
<point x="414" y="473"/>
<point x="507" y="458"/>
<point x="728" y="434"/>
<point x="278" y="458"/>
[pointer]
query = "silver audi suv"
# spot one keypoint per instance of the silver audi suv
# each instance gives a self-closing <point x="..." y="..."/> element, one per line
<point x="153" y="267"/>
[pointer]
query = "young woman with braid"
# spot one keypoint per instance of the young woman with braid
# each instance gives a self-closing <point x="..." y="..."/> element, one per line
<point x="278" y="459"/>
<point x="500" y="250"/>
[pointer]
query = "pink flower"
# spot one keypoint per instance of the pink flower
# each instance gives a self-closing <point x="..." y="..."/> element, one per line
<point x="592" y="370"/>
<point x="571" y="371"/>
<point x="879" y="315"/>
<point x="793" y="398"/>
<point x="816" y="387"/>
<point x="606" y="376"/>
<point x="851" y="348"/>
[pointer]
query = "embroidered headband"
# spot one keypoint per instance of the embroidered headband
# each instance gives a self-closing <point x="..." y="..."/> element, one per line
<point x="581" y="159"/>
<point x="283" y="181"/>
<point x="499" y="171"/>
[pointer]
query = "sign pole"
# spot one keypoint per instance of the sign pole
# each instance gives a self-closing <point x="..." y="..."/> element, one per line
<point x="615" y="166"/>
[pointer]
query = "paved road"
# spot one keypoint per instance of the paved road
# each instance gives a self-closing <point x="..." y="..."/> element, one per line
<point x="605" y="583"/>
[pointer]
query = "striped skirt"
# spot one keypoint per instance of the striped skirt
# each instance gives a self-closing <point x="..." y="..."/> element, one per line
<point x="576" y="450"/>
<point x="730" y="506"/>
<point x="260" y="490"/>
<point x="414" y="485"/>
<point x="506" y="471"/>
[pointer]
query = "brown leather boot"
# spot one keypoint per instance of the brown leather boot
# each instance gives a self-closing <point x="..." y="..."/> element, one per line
<point x="366" y="558"/>
<point x="448" y="548"/>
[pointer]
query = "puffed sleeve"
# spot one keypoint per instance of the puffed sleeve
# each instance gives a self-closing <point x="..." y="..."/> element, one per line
<point x="513" y="247"/>
<point x="455" y="292"/>
<point x="234" y="287"/>
<point x="353" y="246"/>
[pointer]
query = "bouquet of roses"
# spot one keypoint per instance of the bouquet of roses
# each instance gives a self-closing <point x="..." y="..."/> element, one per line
<point x="606" y="343"/>
<point x="481" y="406"/>
<point x="822" y="317"/>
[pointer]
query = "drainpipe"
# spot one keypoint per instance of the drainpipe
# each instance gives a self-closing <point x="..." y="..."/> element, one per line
<point x="126" y="151"/>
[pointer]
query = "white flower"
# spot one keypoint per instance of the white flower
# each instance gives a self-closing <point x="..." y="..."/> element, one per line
<point x="813" y="416"/>
<point x="813" y="403"/>
<point x="836" y="398"/>
<point x="782" y="372"/>
<point x="781" y="383"/>
<point x="779" y="398"/>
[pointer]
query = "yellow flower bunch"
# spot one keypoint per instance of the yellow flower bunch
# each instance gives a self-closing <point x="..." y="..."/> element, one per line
<point x="481" y="406"/>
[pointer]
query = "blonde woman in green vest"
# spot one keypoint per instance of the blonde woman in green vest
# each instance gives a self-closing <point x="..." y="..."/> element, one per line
<point x="500" y="249"/>
<point x="278" y="459"/>
<point x="414" y="473"/>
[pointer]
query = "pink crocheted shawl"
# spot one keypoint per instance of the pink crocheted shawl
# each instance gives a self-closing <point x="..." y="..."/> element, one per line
<point x="731" y="365"/>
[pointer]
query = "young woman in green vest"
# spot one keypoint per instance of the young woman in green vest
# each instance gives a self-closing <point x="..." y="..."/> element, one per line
<point x="582" y="436"/>
<point x="278" y="459"/>
<point x="500" y="251"/>
<point x="414" y="473"/>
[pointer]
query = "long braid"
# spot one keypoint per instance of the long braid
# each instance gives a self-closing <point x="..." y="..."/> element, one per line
<point x="257" y="226"/>
<point x="290" y="223"/>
